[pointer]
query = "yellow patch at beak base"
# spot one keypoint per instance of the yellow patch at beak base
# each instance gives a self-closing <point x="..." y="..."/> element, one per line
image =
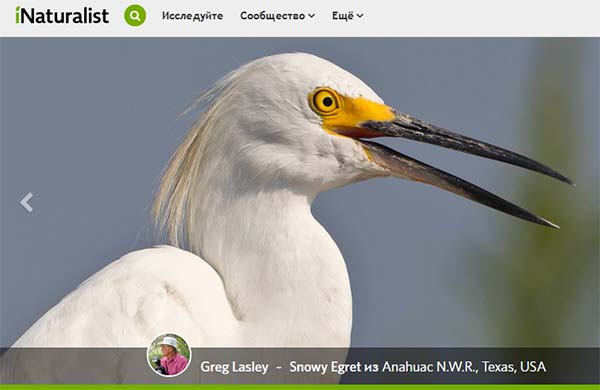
<point x="344" y="115"/>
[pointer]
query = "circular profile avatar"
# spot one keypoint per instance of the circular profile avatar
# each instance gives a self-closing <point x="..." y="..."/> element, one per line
<point x="169" y="355"/>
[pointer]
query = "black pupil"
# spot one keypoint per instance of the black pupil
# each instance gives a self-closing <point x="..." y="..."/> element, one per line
<point x="327" y="102"/>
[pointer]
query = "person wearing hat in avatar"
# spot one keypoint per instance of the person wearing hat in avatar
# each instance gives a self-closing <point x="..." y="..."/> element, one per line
<point x="172" y="360"/>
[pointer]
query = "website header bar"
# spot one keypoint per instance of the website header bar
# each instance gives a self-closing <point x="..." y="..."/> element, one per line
<point x="308" y="18"/>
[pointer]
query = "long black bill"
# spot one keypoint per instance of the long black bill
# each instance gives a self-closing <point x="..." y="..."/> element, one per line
<point x="408" y="127"/>
<point x="406" y="167"/>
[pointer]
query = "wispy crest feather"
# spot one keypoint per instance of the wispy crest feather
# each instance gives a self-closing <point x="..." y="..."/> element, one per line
<point x="174" y="201"/>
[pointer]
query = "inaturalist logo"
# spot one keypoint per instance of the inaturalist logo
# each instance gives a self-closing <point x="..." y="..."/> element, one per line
<point x="87" y="15"/>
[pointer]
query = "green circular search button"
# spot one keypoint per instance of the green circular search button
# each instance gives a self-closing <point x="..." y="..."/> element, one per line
<point x="135" y="15"/>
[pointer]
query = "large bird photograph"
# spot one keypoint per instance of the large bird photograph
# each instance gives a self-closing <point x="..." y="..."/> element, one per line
<point x="300" y="192"/>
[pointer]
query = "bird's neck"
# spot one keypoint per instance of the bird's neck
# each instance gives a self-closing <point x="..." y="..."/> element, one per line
<point x="284" y="276"/>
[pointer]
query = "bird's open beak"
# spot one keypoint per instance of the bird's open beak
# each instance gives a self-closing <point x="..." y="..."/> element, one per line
<point x="403" y="166"/>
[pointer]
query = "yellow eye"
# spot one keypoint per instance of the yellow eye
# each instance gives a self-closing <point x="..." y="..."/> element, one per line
<point x="325" y="102"/>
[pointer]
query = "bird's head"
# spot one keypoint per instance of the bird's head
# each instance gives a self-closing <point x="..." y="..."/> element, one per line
<point x="301" y="121"/>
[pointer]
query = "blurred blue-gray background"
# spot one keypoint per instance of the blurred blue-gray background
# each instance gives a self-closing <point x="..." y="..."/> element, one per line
<point x="87" y="125"/>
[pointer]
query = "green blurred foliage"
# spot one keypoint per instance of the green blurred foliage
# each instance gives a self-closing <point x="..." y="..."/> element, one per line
<point x="539" y="286"/>
<point x="155" y="349"/>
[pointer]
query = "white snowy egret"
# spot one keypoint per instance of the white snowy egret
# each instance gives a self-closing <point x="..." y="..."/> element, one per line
<point x="260" y="270"/>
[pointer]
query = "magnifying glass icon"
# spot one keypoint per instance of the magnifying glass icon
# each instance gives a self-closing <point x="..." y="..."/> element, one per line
<point x="135" y="15"/>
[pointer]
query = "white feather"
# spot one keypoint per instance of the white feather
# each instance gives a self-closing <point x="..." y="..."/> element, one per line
<point x="238" y="193"/>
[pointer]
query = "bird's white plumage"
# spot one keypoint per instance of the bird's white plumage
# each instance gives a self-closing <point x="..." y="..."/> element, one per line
<point x="136" y="298"/>
<point x="240" y="187"/>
